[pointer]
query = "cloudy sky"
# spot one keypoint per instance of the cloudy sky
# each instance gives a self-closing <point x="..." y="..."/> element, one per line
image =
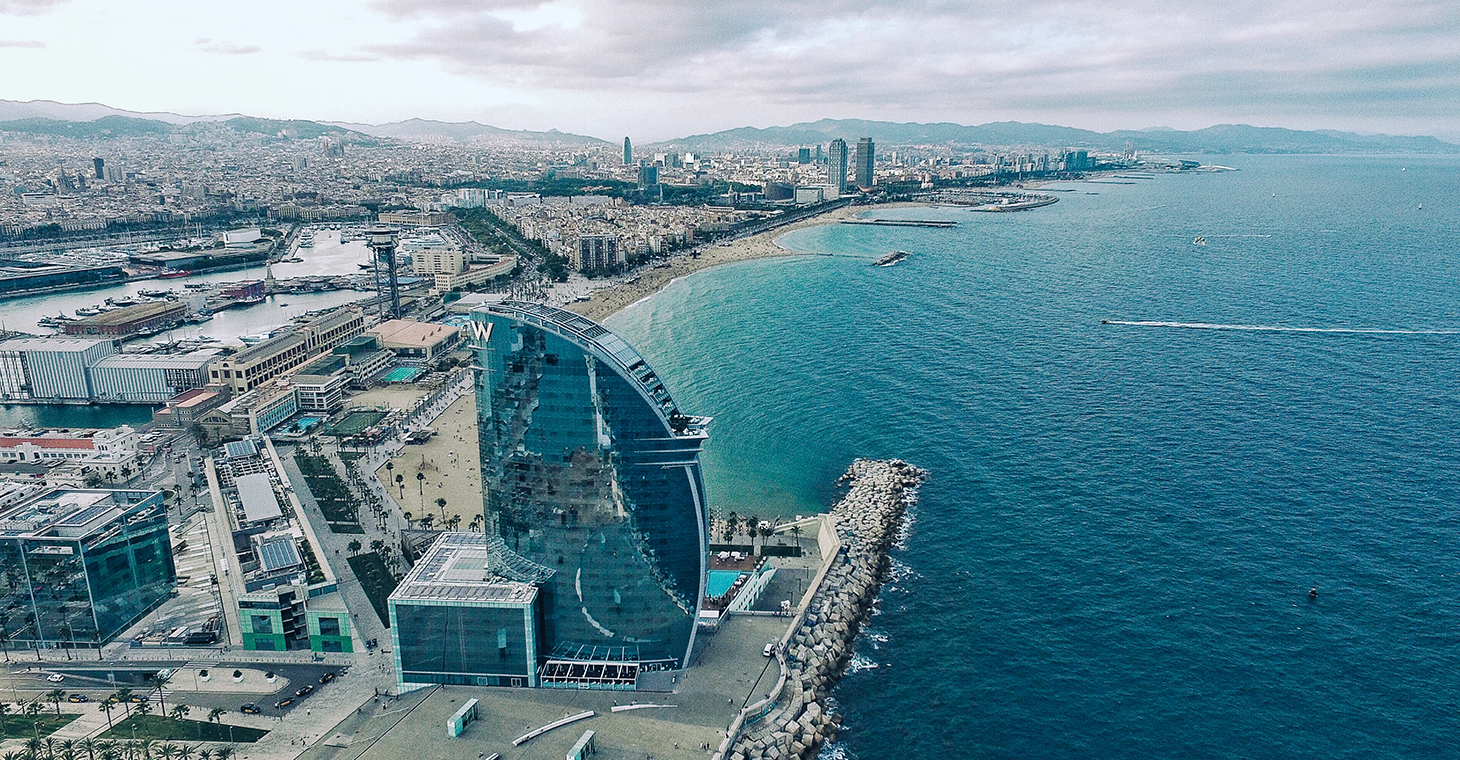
<point x="656" y="69"/>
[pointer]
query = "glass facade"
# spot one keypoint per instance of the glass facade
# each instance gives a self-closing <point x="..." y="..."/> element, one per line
<point x="462" y="644"/>
<point x="79" y="567"/>
<point x="591" y="473"/>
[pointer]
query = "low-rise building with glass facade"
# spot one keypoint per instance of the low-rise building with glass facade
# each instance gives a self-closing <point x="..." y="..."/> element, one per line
<point x="78" y="567"/>
<point x="590" y="475"/>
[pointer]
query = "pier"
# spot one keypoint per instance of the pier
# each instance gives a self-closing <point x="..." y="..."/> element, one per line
<point x="793" y="721"/>
<point x="902" y="222"/>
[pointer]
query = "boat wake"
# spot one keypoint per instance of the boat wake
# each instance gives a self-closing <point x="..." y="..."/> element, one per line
<point x="1275" y="328"/>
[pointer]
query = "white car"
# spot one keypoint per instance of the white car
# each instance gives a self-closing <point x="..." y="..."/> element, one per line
<point x="770" y="650"/>
<point x="55" y="678"/>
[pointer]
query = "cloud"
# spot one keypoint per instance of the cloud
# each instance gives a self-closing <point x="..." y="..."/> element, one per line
<point x="208" y="45"/>
<point x="27" y="7"/>
<point x="22" y="44"/>
<point x="328" y="57"/>
<point x="955" y="59"/>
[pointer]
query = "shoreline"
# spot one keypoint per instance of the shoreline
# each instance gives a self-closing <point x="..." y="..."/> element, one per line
<point x="606" y="302"/>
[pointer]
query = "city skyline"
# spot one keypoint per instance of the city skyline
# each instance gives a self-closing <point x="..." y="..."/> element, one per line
<point x="609" y="69"/>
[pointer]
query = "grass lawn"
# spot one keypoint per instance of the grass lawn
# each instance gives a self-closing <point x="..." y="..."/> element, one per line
<point x="25" y="728"/>
<point x="377" y="582"/>
<point x="157" y="727"/>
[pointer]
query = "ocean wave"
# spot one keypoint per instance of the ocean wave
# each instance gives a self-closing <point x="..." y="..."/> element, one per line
<point x="835" y="751"/>
<point x="861" y="663"/>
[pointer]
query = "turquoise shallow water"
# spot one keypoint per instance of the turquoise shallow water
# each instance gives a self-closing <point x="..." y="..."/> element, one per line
<point x="1113" y="553"/>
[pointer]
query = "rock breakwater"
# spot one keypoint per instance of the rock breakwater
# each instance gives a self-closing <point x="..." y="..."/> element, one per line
<point x="795" y="723"/>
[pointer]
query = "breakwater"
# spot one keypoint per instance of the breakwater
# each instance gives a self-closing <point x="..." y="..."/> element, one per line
<point x="793" y="722"/>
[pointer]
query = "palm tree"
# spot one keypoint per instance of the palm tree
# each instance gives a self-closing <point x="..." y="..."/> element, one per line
<point x="181" y="711"/>
<point x="455" y="520"/>
<point x="124" y="696"/>
<point x="56" y="697"/>
<point x="354" y="547"/>
<point x="442" y="504"/>
<point x="68" y="749"/>
<point x="216" y="714"/>
<point x="88" y="746"/>
<point x="33" y="747"/>
<point x="159" y="680"/>
<point x="166" y="751"/>
<point x="408" y="516"/>
<point x="421" y="483"/>
<point x="205" y="754"/>
<point x="109" y="749"/>
<point x="187" y="752"/>
<point x="107" y="706"/>
<point x="223" y="753"/>
<point x="400" y="482"/>
<point x="144" y="707"/>
<point x="428" y="520"/>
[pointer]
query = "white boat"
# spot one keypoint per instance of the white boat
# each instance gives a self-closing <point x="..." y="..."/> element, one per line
<point x="249" y="340"/>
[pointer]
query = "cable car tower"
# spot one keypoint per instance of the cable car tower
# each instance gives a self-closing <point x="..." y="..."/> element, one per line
<point x="382" y="242"/>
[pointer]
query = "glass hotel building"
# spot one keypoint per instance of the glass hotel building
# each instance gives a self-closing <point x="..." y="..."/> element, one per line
<point x="592" y="495"/>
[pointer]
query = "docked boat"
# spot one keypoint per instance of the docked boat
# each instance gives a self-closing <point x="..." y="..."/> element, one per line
<point x="890" y="259"/>
<point x="171" y="275"/>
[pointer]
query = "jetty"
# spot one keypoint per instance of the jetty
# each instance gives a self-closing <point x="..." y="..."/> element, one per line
<point x="902" y="222"/>
<point x="793" y="721"/>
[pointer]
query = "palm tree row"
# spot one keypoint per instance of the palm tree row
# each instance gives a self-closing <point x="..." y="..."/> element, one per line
<point x="107" y="749"/>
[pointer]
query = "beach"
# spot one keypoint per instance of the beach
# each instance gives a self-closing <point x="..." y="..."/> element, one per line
<point x="606" y="302"/>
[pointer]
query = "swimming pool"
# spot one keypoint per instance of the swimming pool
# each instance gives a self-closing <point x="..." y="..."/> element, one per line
<point x="719" y="582"/>
<point x="402" y="375"/>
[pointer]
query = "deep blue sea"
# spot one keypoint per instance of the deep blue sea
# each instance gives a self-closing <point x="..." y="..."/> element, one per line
<point x="1113" y="554"/>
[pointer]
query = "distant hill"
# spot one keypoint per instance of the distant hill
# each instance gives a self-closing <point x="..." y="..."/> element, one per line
<point x="291" y="127"/>
<point x="1223" y="138"/>
<point x="12" y="110"/>
<point x="428" y="130"/>
<point x="106" y="126"/>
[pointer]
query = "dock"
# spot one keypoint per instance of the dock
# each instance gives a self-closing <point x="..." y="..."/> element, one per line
<point x="902" y="222"/>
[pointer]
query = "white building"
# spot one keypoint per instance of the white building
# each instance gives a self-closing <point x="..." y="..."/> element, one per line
<point x="50" y="368"/>
<point x="104" y="451"/>
<point x="148" y="378"/>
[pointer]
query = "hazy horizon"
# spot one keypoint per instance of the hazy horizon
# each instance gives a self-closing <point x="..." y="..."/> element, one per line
<point x="658" y="70"/>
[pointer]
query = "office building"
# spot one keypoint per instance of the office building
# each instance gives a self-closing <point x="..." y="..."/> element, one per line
<point x="628" y="152"/>
<point x="437" y="259"/>
<point x="836" y="165"/>
<point x="863" y="163"/>
<point x="262" y="362"/>
<point x="110" y="453"/>
<point x="803" y="155"/>
<point x="462" y="616"/>
<point x="474" y="276"/>
<point x="415" y="218"/>
<point x="100" y="168"/>
<point x="83" y="566"/>
<point x="649" y="178"/>
<point x="51" y="369"/>
<point x="591" y="475"/>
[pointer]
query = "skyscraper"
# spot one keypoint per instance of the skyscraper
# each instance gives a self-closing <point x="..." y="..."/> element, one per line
<point x="836" y="165"/>
<point x="628" y="152"/>
<point x="863" y="162"/>
<point x="100" y="168"/>
<point x="591" y="478"/>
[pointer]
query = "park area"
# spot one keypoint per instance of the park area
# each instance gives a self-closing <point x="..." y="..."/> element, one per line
<point x="159" y="727"/>
<point x="340" y="507"/>
<point x="376" y="581"/>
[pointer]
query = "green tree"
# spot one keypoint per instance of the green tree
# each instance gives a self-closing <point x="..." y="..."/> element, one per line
<point x="143" y="708"/>
<point x="124" y="698"/>
<point x="354" y="546"/>
<point x="56" y="697"/>
<point x="441" y="503"/>
<point x="180" y="712"/>
<point x="4" y="719"/>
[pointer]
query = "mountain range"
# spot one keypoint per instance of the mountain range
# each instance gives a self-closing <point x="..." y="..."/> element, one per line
<point x="98" y="120"/>
<point x="1222" y="138"/>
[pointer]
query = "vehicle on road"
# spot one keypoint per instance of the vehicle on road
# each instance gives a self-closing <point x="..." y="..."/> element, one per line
<point x="770" y="650"/>
<point x="250" y="708"/>
<point x="78" y="698"/>
<point x="327" y="677"/>
<point x="55" y="678"/>
<point x="283" y="703"/>
<point x="304" y="690"/>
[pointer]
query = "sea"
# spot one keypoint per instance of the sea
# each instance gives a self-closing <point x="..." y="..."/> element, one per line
<point x="1144" y="451"/>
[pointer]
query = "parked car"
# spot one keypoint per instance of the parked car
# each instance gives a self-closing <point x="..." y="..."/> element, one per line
<point x="78" y="698"/>
<point x="250" y="709"/>
<point x="327" y="677"/>
<point x="283" y="703"/>
<point x="304" y="690"/>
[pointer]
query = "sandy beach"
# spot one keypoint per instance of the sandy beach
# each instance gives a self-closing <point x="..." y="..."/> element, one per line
<point x="606" y="302"/>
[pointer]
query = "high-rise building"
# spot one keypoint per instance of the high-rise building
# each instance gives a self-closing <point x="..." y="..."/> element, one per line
<point x="596" y="253"/>
<point x="648" y="177"/>
<point x="628" y="152"/>
<point x="591" y="481"/>
<point x="803" y="155"/>
<point x="836" y="165"/>
<point x="863" y="162"/>
<point x="100" y="168"/>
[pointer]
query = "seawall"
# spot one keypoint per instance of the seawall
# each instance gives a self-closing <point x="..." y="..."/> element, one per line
<point x="794" y="722"/>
